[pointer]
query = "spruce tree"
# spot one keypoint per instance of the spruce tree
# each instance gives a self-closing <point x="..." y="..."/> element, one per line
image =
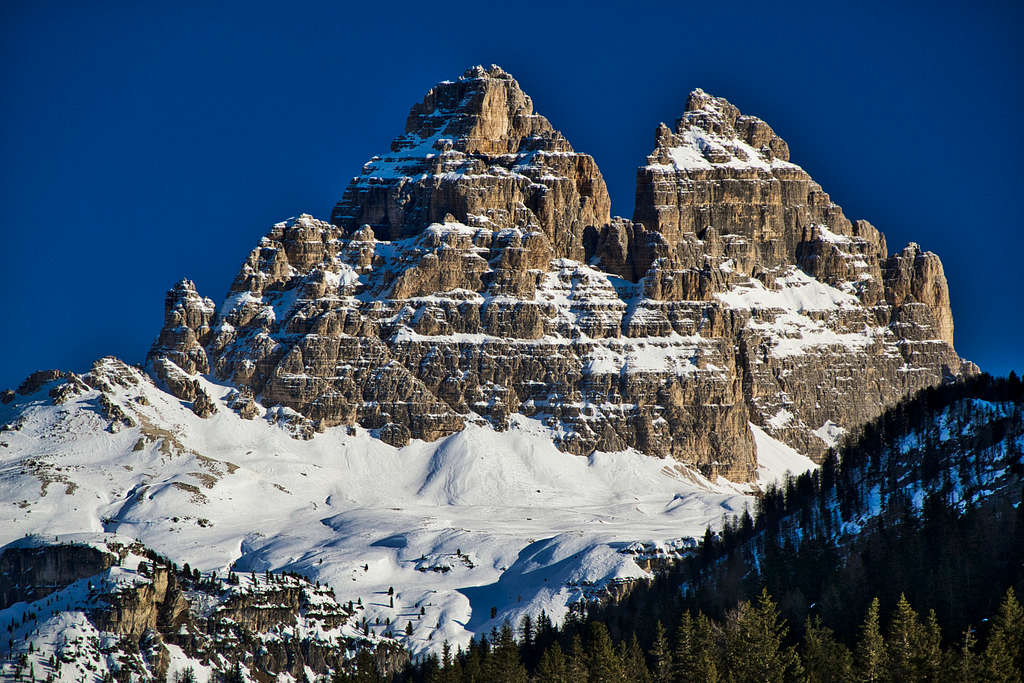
<point x="1005" y="642"/>
<point x="526" y="631"/>
<point x="661" y="656"/>
<point x="824" y="659"/>
<point x="603" y="662"/>
<point x="902" y="642"/>
<point x="553" y="667"/>
<point x="754" y="642"/>
<point x="506" y="666"/>
<point x="870" y="657"/>
<point x="635" y="663"/>
<point x="968" y="666"/>
<point x="695" y="656"/>
<point x="929" y="656"/>
<point x="577" y="664"/>
<point x="684" y="657"/>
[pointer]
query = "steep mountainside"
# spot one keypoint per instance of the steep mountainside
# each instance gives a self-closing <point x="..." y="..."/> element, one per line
<point x="474" y="272"/>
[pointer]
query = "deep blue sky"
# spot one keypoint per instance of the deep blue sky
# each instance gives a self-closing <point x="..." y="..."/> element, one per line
<point x="142" y="144"/>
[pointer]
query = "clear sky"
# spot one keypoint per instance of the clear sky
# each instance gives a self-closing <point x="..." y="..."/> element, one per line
<point x="143" y="143"/>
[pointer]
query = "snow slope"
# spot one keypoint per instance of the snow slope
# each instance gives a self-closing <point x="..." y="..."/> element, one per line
<point x="479" y="523"/>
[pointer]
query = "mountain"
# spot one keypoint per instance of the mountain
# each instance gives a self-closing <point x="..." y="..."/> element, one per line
<point x="476" y="388"/>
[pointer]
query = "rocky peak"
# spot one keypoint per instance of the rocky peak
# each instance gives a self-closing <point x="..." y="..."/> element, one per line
<point x="474" y="148"/>
<point x="483" y="112"/>
<point x="474" y="273"/>
<point x="187" y="320"/>
<point x="718" y="117"/>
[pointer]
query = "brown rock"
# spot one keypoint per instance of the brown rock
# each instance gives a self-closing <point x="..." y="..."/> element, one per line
<point x="474" y="271"/>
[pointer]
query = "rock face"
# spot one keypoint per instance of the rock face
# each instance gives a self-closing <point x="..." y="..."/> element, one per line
<point x="30" y="573"/>
<point x="473" y="272"/>
<point x="268" y="624"/>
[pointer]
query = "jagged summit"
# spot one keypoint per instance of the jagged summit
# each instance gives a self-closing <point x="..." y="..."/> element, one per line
<point x="717" y="116"/>
<point x="484" y="111"/>
<point x="474" y="148"/>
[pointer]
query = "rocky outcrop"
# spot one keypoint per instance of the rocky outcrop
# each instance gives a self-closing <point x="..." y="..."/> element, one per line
<point x="269" y="624"/>
<point x="473" y="273"/>
<point x="187" y="318"/>
<point x="29" y="571"/>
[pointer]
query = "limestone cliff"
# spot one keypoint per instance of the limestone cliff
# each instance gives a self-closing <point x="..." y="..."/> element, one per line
<point x="473" y="272"/>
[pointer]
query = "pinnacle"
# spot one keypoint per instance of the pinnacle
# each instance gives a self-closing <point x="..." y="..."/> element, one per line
<point x="478" y="71"/>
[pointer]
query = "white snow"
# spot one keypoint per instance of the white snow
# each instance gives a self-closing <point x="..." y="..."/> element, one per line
<point x="519" y="525"/>
<point x="776" y="460"/>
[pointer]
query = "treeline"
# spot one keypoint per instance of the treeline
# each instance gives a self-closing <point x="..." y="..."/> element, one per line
<point x="751" y="643"/>
<point x="920" y="507"/>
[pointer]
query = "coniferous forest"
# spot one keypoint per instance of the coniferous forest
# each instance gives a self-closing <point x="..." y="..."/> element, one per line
<point x="900" y="559"/>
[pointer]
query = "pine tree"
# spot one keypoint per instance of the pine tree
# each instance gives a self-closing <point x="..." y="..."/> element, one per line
<point x="696" y="653"/>
<point x="824" y="659"/>
<point x="472" y="667"/>
<point x="929" y="656"/>
<point x="661" y="655"/>
<point x="684" y="656"/>
<point x="902" y="642"/>
<point x="634" y="662"/>
<point x="754" y="648"/>
<point x="870" y="657"/>
<point x="506" y="666"/>
<point x="553" y="667"/>
<point x="576" y="668"/>
<point x="1003" y="656"/>
<point x="604" y="663"/>
<point x="968" y="665"/>
<point x="526" y="632"/>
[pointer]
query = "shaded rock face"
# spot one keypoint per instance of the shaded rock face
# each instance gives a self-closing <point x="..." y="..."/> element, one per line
<point x="444" y="291"/>
<point x="28" y="574"/>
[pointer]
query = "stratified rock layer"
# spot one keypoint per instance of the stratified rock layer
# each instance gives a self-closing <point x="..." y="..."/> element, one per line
<point x="474" y="273"/>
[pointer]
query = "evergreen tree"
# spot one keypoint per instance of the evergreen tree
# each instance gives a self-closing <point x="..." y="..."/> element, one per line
<point x="824" y="659"/>
<point x="505" y="665"/>
<point x="635" y="663"/>
<point x="929" y="654"/>
<point x="754" y="648"/>
<point x="661" y="656"/>
<point x="1005" y="642"/>
<point x="870" y="656"/>
<point x="526" y="632"/>
<point x="604" y="664"/>
<point x="577" y="664"/>
<point x="695" y="657"/>
<point x="472" y="666"/>
<point x="968" y="667"/>
<point x="684" y="656"/>
<point x="553" y="667"/>
<point x="902" y="642"/>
